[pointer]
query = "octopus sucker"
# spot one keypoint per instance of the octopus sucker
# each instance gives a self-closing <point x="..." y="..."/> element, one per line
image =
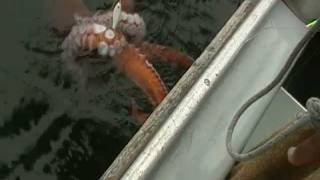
<point x="109" y="34"/>
<point x="103" y="49"/>
<point x="144" y="75"/>
<point x="98" y="28"/>
<point x="165" y="54"/>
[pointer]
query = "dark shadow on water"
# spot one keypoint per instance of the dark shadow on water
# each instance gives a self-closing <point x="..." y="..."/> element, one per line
<point x="48" y="128"/>
<point x="303" y="81"/>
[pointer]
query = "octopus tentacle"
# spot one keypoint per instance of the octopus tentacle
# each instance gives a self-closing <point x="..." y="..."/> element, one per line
<point x="127" y="5"/>
<point x="61" y="13"/>
<point x="139" y="115"/>
<point x="165" y="54"/>
<point x="139" y="70"/>
<point x="71" y="47"/>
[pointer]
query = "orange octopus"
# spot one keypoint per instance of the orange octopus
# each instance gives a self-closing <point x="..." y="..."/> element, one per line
<point x="118" y="34"/>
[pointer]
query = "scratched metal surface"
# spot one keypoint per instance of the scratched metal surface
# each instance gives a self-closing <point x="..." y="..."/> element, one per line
<point x="48" y="130"/>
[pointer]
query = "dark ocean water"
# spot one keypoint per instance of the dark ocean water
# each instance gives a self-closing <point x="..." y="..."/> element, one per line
<point x="303" y="81"/>
<point x="48" y="130"/>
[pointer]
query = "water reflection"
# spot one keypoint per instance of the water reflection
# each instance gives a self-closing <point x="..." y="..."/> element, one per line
<point x="48" y="129"/>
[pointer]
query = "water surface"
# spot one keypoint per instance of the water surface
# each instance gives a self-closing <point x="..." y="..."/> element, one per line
<point x="48" y="129"/>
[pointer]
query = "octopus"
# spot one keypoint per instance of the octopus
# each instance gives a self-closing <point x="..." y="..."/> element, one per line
<point x="118" y="35"/>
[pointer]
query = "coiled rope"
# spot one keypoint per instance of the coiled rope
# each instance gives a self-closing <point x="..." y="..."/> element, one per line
<point x="313" y="104"/>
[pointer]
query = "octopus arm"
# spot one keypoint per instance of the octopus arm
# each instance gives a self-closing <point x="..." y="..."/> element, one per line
<point x="61" y="13"/>
<point x="128" y="5"/>
<point x="139" y="70"/>
<point x="166" y="54"/>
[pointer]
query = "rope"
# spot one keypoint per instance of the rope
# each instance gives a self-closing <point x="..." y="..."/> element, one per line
<point x="313" y="114"/>
<point x="312" y="105"/>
